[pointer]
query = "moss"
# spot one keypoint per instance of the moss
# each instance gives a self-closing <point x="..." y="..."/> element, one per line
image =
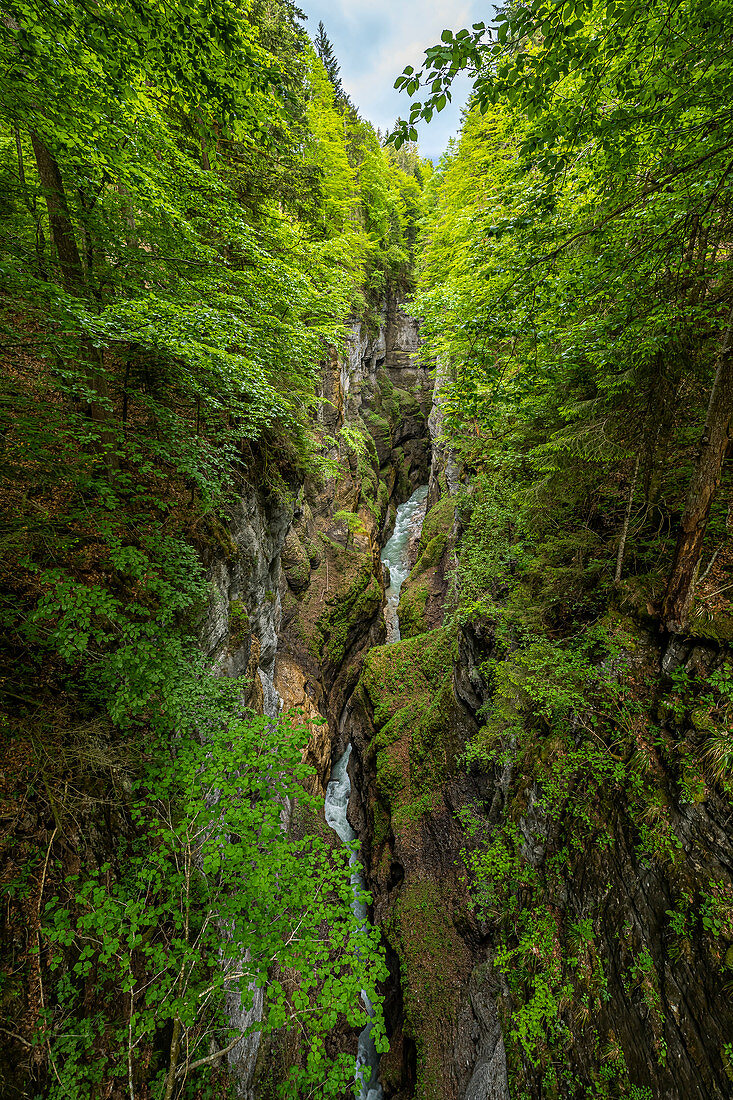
<point x="380" y="826"/>
<point x="718" y="628"/>
<point x="290" y="605"/>
<point x="434" y="540"/>
<point x="410" y="686"/>
<point x="346" y="612"/>
<point x="727" y="1056"/>
<point x="220" y="535"/>
<point x="389" y="402"/>
<point x="368" y="476"/>
<point x="409" y="404"/>
<point x="412" y="610"/>
<point x="403" y="487"/>
<point x="382" y="502"/>
<point x="430" y="555"/>
<point x="313" y="551"/>
<point x="439" y="520"/>
<point x="411" y="669"/>
<point x="381" y="432"/>
<point x="238" y="624"/>
<point x="433" y="963"/>
<point x="386" y="386"/>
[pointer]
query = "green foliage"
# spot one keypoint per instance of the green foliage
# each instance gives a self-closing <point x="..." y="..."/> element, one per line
<point x="207" y="896"/>
<point x="574" y="285"/>
<point x="189" y="220"/>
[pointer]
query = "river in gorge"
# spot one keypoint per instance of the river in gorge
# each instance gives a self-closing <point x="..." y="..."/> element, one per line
<point x="395" y="557"/>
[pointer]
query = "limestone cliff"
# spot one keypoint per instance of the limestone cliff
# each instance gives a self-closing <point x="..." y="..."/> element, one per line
<point x="373" y="430"/>
<point x="541" y="935"/>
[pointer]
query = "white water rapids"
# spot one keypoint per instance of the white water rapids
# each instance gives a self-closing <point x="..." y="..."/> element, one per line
<point x="395" y="556"/>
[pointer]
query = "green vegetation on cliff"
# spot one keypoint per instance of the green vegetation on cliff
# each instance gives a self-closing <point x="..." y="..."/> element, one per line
<point x="575" y="287"/>
<point x="189" y="219"/>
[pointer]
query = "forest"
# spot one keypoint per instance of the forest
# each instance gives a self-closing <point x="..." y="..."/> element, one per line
<point x="190" y="214"/>
<point x="211" y="268"/>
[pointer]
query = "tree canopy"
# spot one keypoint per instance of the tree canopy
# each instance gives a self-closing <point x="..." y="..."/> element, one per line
<point x="189" y="221"/>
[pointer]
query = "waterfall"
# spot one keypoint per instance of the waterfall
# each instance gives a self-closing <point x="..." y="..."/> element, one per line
<point x="395" y="557"/>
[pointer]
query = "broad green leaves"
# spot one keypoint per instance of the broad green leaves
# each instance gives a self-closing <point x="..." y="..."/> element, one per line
<point x="229" y="219"/>
<point x="213" y="874"/>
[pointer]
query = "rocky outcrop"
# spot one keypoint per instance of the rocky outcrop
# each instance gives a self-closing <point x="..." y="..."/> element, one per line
<point x="408" y="726"/>
<point x="377" y="399"/>
<point x="642" y="961"/>
<point x="244" y="571"/>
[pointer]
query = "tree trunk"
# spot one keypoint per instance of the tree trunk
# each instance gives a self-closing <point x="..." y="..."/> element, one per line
<point x="30" y="202"/>
<point x="705" y="480"/>
<point x="175" y="1054"/>
<point x="75" y="284"/>
<point x="62" y="231"/>
<point x="625" y="529"/>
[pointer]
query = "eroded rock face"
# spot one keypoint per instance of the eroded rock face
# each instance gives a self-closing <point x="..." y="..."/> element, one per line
<point x="407" y="727"/>
<point x="298" y="694"/>
<point x="378" y="401"/>
<point x="295" y="562"/>
<point x="647" y="985"/>
<point x="244" y="601"/>
<point x="330" y="590"/>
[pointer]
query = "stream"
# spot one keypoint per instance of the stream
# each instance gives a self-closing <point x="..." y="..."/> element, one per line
<point x="395" y="557"/>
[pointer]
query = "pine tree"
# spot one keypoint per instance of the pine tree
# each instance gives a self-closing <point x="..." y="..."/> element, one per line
<point x="325" y="51"/>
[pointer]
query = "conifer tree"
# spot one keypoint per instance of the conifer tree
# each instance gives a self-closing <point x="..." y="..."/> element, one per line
<point x="324" y="49"/>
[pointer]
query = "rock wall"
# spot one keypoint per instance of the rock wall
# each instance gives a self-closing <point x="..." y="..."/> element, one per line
<point x="373" y="426"/>
<point x="622" y="984"/>
<point x="647" y="981"/>
<point x="408" y="725"/>
<point x="296" y="581"/>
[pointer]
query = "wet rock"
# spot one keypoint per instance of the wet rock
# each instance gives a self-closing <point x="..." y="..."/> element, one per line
<point x="295" y="562"/>
<point x="299" y="695"/>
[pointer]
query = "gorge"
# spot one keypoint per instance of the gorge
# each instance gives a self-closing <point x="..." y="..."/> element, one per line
<point x="367" y="534"/>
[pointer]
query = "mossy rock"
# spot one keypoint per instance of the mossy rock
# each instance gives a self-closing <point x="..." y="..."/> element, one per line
<point x="403" y="485"/>
<point x="381" y="432"/>
<point x="386" y="386"/>
<point x="408" y="404"/>
<point x="410" y="669"/>
<point x="717" y="628"/>
<point x="430" y="555"/>
<point x="439" y="520"/>
<point x="415" y="592"/>
<point x="434" y="964"/>
<point x="295" y="563"/>
<point x="389" y="405"/>
<point x="313" y="551"/>
<point x="382" y="502"/>
<point x="418" y="728"/>
<point x="239" y="628"/>
<point x="412" y="609"/>
<point x="346" y="614"/>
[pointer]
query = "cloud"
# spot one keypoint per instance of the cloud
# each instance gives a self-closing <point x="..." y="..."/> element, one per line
<point x="375" y="40"/>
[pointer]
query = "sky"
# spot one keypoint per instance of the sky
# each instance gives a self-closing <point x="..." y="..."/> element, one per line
<point x="373" y="40"/>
